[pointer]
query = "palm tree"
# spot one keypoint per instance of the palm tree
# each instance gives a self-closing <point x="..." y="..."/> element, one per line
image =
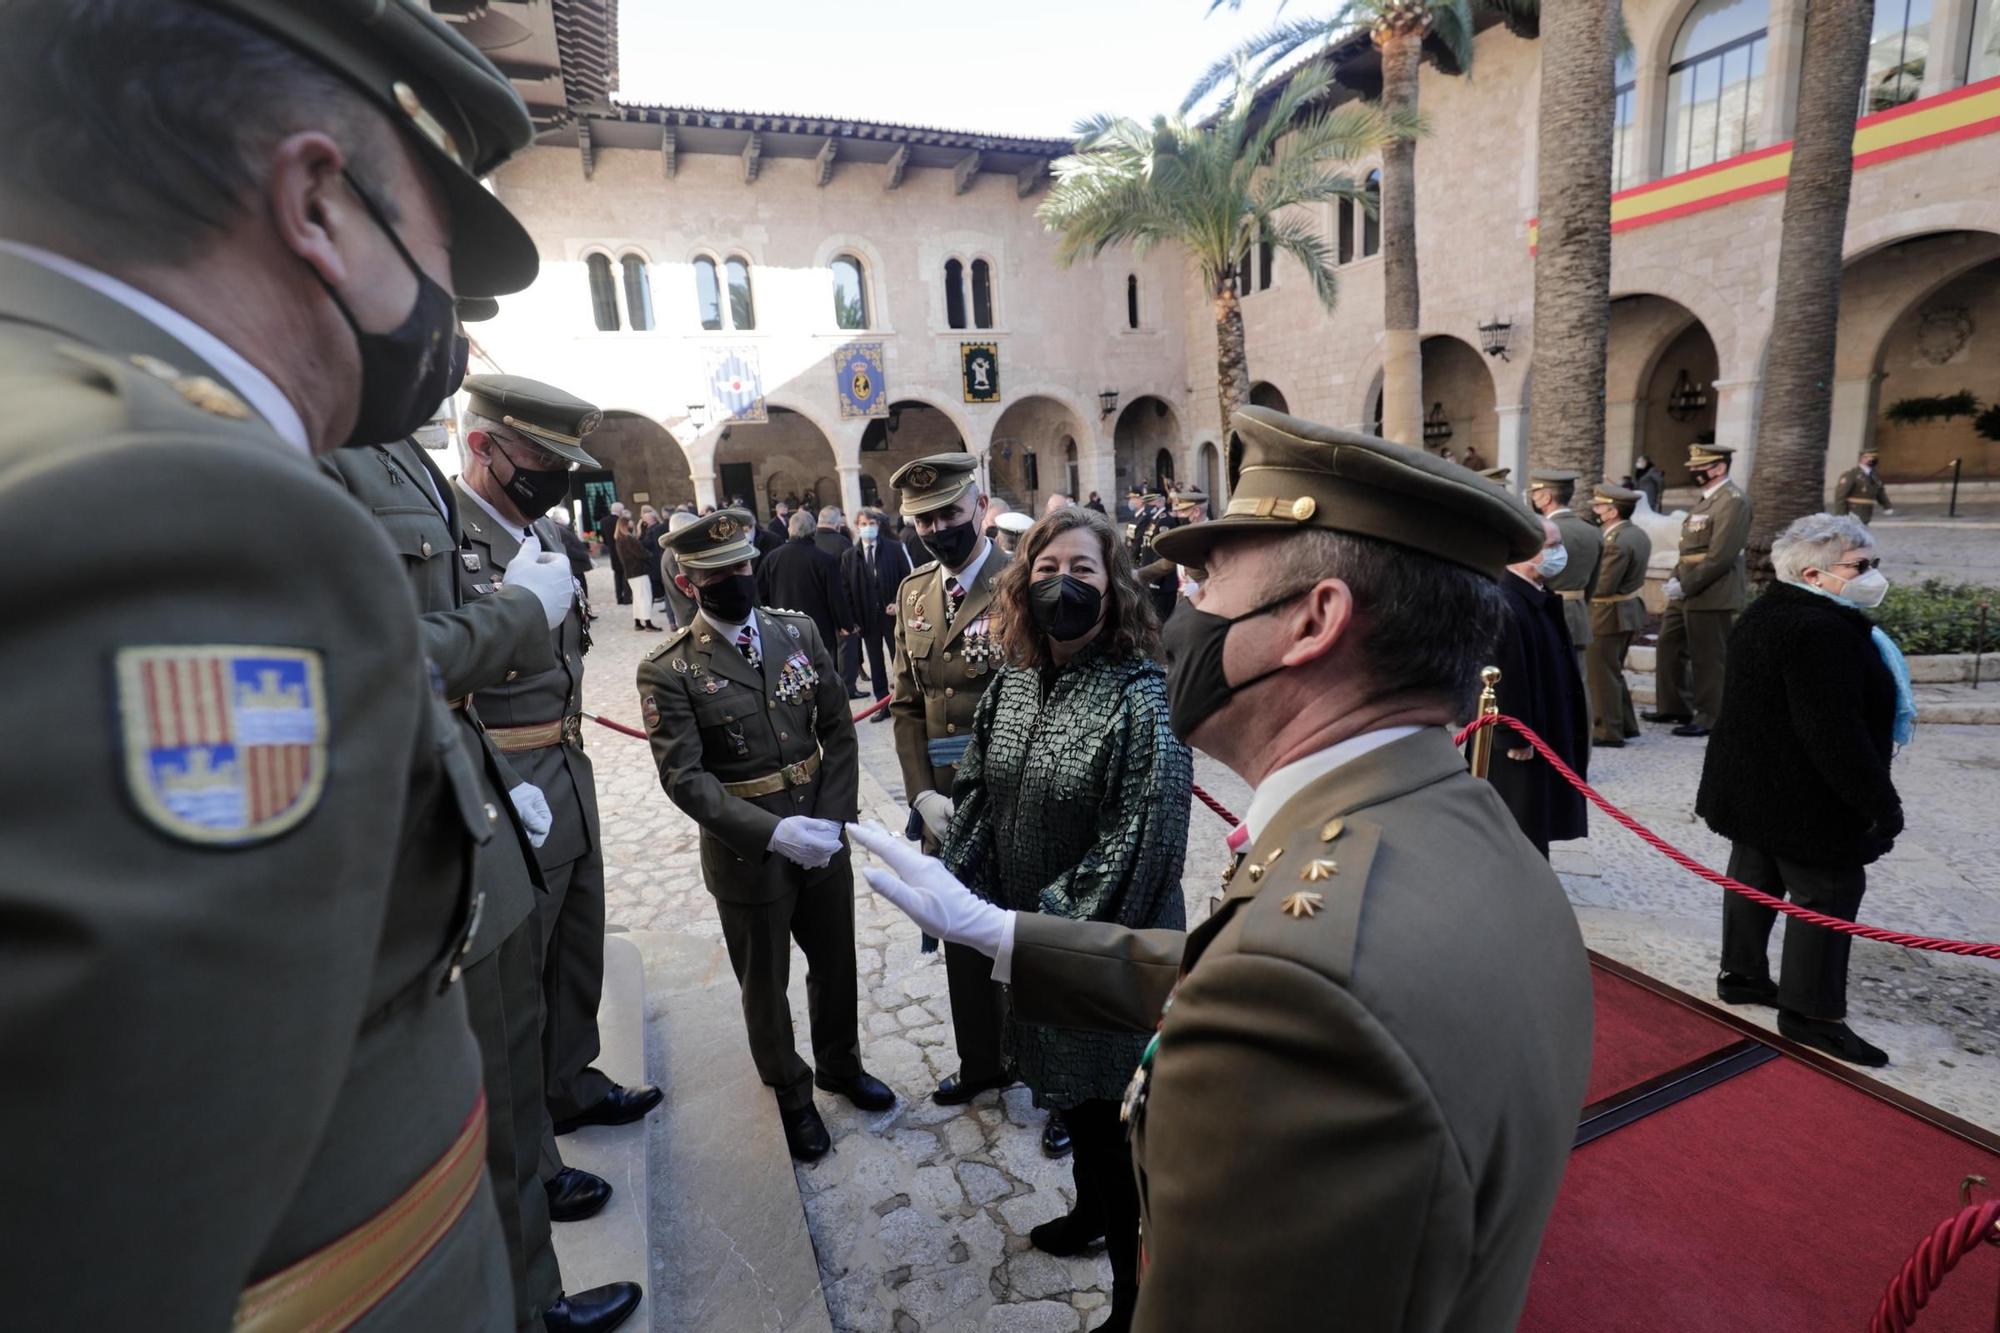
<point x="1406" y="32"/>
<point x="1797" y="411"/>
<point x="1217" y="189"/>
<point x="1580" y="39"/>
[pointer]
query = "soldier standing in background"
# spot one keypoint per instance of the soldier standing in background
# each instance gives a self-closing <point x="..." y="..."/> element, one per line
<point x="522" y="439"/>
<point x="1616" y="613"/>
<point x="1707" y="590"/>
<point x="1167" y="584"/>
<point x="1860" y="490"/>
<point x="946" y="652"/>
<point x="239" y="822"/>
<point x="752" y="737"/>
<point x="1549" y="494"/>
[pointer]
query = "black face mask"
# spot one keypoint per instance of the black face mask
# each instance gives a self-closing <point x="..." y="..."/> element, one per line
<point x="407" y="373"/>
<point x="533" y="493"/>
<point x="1064" y="607"/>
<point x="953" y="545"/>
<point x="1197" y="687"/>
<point x="731" y="600"/>
<point x="461" y="358"/>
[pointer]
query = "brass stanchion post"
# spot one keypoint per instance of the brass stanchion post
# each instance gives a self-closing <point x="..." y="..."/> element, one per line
<point x="1489" y="705"/>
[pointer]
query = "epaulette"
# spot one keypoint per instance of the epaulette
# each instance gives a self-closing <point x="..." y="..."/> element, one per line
<point x="924" y="568"/>
<point x="1310" y="888"/>
<point x="783" y="611"/>
<point x="661" y="648"/>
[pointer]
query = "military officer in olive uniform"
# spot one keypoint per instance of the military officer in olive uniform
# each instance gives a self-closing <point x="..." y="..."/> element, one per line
<point x="1549" y="494"/>
<point x="1321" y="1131"/>
<point x="1707" y="591"/>
<point x="1616" y="613"/>
<point x="522" y="439"/>
<point x="1166" y="581"/>
<point x="748" y="719"/>
<point x="1860" y="491"/>
<point x="239" y="824"/>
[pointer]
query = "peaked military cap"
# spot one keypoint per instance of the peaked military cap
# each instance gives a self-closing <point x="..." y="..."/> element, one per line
<point x="1606" y="494"/>
<point x="1014" y="521"/>
<point x="463" y="114"/>
<point x="1502" y="475"/>
<point x="1553" y="476"/>
<point x="1705" y="455"/>
<point x="473" y="309"/>
<point x="1155" y="498"/>
<point x="935" y="482"/>
<point x="555" y="420"/>
<point x="1288" y="475"/>
<point x="718" y="541"/>
<point x="1190" y="495"/>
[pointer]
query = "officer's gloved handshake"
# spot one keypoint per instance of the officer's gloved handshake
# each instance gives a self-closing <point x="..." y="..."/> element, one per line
<point x="548" y="577"/>
<point x="931" y="895"/>
<point x="804" y="841"/>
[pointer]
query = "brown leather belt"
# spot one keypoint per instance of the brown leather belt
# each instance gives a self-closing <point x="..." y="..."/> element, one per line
<point x="538" y="735"/>
<point x="1568" y="594"/>
<point x="334" y="1287"/>
<point x="791" y="775"/>
<point x="1859" y="500"/>
<point x="1613" y="601"/>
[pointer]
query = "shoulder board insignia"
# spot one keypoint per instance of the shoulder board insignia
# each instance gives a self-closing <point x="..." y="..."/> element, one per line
<point x="924" y="568"/>
<point x="199" y="390"/>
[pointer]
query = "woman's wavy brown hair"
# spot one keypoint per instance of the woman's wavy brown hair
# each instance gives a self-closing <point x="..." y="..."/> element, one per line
<point x="1130" y="627"/>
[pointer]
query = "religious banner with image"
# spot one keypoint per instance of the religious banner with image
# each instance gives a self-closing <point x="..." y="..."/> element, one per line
<point x="735" y="384"/>
<point x="980" y="365"/>
<point x="859" y="380"/>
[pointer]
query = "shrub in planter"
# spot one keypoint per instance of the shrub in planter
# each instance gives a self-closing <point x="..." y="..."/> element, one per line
<point x="1939" y="617"/>
<point x="1932" y="407"/>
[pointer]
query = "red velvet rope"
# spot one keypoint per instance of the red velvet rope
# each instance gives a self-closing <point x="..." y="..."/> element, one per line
<point x="1877" y="933"/>
<point x="1910" y="1290"/>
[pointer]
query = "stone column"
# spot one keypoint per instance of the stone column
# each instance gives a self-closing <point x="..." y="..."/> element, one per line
<point x="1649" y="120"/>
<point x="1624" y="427"/>
<point x="1513" y="443"/>
<point x="1853" y="426"/>
<point x="1951" y="30"/>
<point x="1787" y="37"/>
<point x="1736" y="424"/>
<point x="850" y="487"/>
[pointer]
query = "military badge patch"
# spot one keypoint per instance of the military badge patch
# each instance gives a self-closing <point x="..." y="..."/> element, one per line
<point x="649" y="709"/>
<point x="796" y="679"/>
<point x="225" y="744"/>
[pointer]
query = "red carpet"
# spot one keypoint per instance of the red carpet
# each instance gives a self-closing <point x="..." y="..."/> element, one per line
<point x="1780" y="1201"/>
<point x="1641" y="1035"/>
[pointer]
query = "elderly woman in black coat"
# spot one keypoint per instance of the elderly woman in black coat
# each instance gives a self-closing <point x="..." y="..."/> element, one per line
<point x="1796" y="776"/>
<point x="1540" y="685"/>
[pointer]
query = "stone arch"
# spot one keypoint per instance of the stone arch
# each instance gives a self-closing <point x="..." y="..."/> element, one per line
<point x="779" y="459"/>
<point x="643" y="458"/>
<point x="1209" y="474"/>
<point x="1716" y="314"/>
<point x="1037" y="426"/>
<point x="1263" y="393"/>
<point x="1458" y="383"/>
<point x="915" y="427"/>
<point x="1145" y="427"/>
<point x="1652" y="341"/>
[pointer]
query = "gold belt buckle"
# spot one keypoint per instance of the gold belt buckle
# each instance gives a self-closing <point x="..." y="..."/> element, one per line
<point x="572" y="731"/>
<point x="795" y="775"/>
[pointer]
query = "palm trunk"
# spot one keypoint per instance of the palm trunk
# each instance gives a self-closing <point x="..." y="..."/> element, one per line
<point x="1402" y="354"/>
<point x="1789" y="470"/>
<point x="1573" y="257"/>
<point x="1232" y="375"/>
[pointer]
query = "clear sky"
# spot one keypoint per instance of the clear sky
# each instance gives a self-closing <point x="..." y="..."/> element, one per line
<point x="1028" y="67"/>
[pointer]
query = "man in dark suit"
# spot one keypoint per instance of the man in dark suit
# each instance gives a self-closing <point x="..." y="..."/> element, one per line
<point x="831" y="535"/>
<point x="800" y="577"/>
<point x="871" y="571"/>
<point x="781" y="521"/>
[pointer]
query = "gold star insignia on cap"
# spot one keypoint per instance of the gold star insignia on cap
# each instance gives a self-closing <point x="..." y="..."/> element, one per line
<point x="723" y="528"/>
<point x="1318" y="869"/>
<point x="1302" y="904"/>
<point x="1332" y="829"/>
<point x="921" y="477"/>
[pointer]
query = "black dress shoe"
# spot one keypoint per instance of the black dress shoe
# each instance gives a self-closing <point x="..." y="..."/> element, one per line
<point x="598" y="1310"/>
<point x="863" y="1089"/>
<point x="1599" y="743"/>
<point x="957" y="1090"/>
<point x="1734" y="988"/>
<point x="1067" y="1236"/>
<point x="882" y="716"/>
<point x="576" y="1194"/>
<point x="1689" y="729"/>
<point x="1666" y="717"/>
<point x="620" y="1106"/>
<point x="805" y="1133"/>
<point x="1832" y="1036"/>
<point x="1055" y="1136"/>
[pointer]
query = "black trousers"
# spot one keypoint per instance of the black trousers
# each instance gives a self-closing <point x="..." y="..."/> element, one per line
<point x="620" y="586"/>
<point x="850" y="661"/>
<point x="975" y="1012"/>
<point x="1107" y="1195"/>
<point x="1812" y="977"/>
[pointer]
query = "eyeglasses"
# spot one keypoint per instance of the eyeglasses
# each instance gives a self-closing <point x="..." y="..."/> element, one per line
<point x="539" y="459"/>
<point x="1861" y="566"/>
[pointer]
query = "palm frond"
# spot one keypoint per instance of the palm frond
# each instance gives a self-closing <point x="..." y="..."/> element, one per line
<point x="1451" y="30"/>
<point x="1523" y="18"/>
<point x="1261" y="49"/>
<point x="1297" y="237"/>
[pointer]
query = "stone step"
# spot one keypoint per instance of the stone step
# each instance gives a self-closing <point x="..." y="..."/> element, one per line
<point x="729" y="1245"/>
<point x="613" y="1246"/>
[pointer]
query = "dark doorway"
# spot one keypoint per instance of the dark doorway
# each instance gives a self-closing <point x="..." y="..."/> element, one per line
<point x="739" y="479"/>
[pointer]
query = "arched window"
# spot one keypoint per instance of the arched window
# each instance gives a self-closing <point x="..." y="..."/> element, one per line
<point x="1343" y="232"/>
<point x="954" y="294"/>
<point x="638" y="292"/>
<point x="850" y="293"/>
<point x="1163" y="471"/>
<point x="1715" y="83"/>
<point x="1131" y="300"/>
<point x="1243" y="274"/>
<point x="603" y="293"/>
<point x="982" y="294"/>
<point x="707" y="293"/>
<point x="742" y="311"/>
<point x="1898" y="46"/>
<point x="1624" y="146"/>
<point x="1982" y="57"/>
<point x="1371" y="218"/>
<point x="1069" y="468"/>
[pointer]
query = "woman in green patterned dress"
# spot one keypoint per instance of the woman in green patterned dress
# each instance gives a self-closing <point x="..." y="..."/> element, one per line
<point x="1072" y="799"/>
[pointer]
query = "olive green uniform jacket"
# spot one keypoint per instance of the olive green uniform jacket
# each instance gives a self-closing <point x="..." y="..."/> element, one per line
<point x="1585" y="544"/>
<point x="1615" y="604"/>
<point x="1860" y="493"/>
<point x="1711" y="565"/>
<point x="941" y="671"/>
<point x="1361" y="1105"/>
<point x="221" y="1056"/>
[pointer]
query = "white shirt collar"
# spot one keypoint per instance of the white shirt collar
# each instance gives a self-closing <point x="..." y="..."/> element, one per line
<point x="1707" y="491"/>
<point x="970" y="574"/>
<point x="730" y="631"/>
<point x="527" y="538"/>
<point x="250" y="383"/>
<point x="1281" y="785"/>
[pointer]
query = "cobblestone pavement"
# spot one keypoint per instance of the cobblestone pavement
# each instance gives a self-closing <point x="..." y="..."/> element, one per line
<point x="920" y="1215"/>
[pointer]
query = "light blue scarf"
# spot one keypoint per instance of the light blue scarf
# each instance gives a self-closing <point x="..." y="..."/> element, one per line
<point x="1904" y="729"/>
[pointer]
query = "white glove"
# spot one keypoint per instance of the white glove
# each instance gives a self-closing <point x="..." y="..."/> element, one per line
<point x="1888" y="511"/>
<point x="1673" y="589"/>
<point x="935" y="809"/>
<point x="546" y="576"/>
<point x="533" y="808"/>
<point x="805" y="841"/>
<point x="929" y="894"/>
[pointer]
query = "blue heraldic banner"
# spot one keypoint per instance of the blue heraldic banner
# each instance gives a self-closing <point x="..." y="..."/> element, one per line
<point x="735" y="384"/>
<point x="860" y="382"/>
